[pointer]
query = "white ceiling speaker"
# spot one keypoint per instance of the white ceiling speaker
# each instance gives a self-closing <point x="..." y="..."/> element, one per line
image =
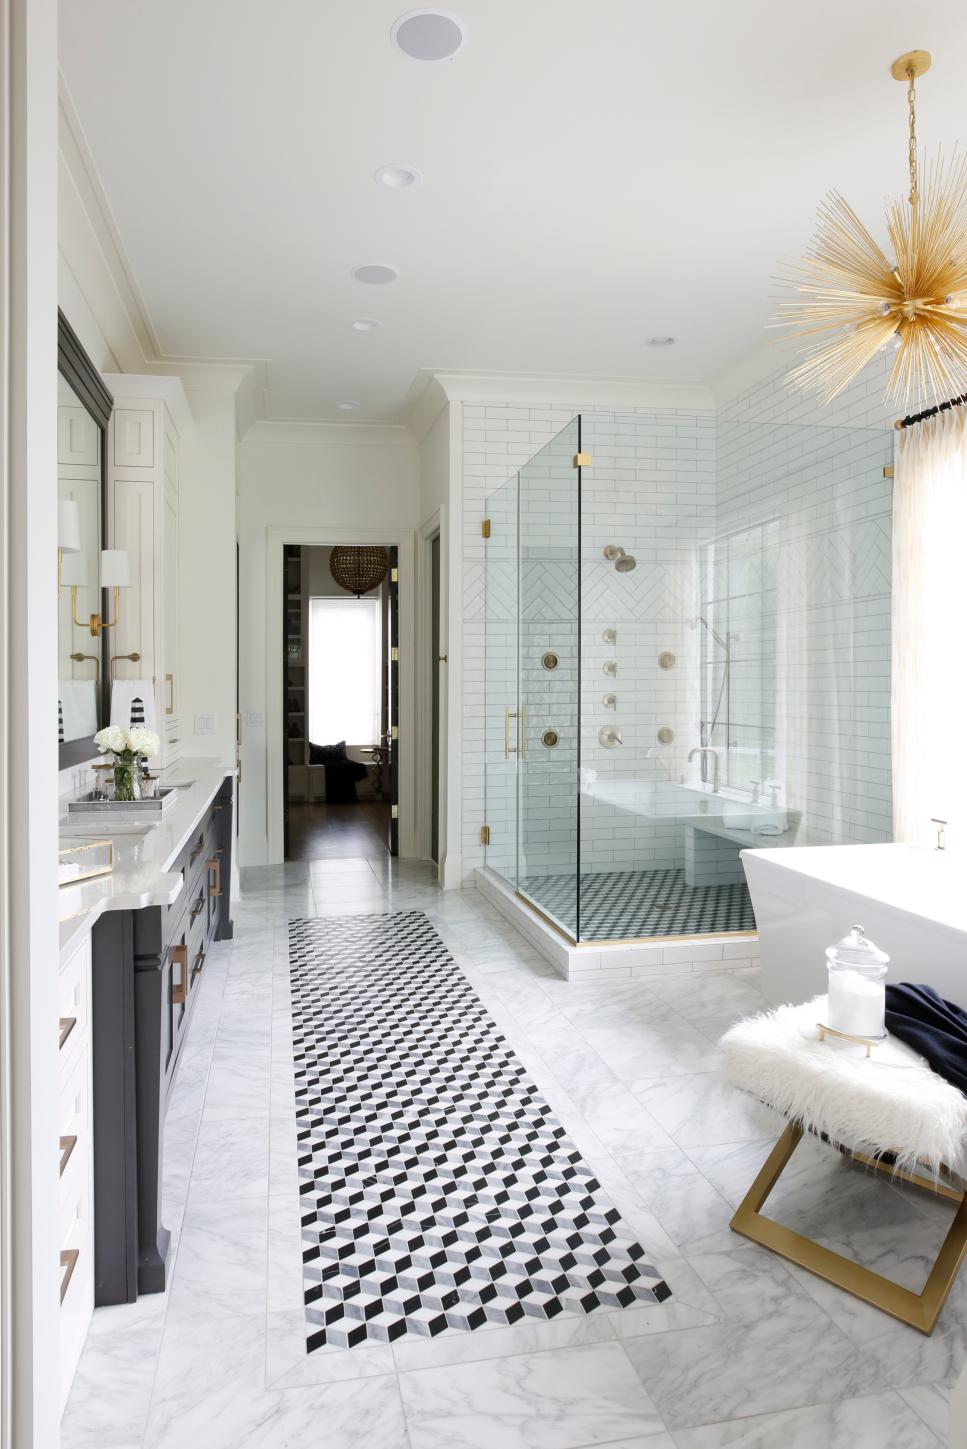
<point x="365" y="324"/>
<point x="429" y="34"/>
<point x="397" y="176"/>
<point x="376" y="274"/>
<point x="347" y="407"/>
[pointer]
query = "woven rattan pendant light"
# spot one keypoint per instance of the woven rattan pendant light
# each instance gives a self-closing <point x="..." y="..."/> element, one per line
<point x="359" y="569"/>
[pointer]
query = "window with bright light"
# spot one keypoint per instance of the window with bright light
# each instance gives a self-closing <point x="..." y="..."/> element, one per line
<point x="345" y="657"/>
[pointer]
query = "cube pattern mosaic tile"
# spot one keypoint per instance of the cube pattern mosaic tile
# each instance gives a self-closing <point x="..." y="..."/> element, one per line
<point x="439" y="1192"/>
<point x="616" y="904"/>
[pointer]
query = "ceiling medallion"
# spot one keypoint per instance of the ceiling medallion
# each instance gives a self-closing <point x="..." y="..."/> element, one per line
<point x="358" y="569"/>
<point x="856" y="301"/>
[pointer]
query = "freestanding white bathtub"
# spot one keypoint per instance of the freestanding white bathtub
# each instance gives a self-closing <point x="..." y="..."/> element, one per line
<point x="911" y="902"/>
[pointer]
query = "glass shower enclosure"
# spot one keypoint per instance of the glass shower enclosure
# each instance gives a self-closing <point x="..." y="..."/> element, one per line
<point x="687" y="655"/>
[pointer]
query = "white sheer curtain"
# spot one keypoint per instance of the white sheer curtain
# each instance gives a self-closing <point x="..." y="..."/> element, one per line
<point x="929" y="684"/>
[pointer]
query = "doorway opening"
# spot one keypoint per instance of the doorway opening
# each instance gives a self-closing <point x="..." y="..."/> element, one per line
<point x="340" y="701"/>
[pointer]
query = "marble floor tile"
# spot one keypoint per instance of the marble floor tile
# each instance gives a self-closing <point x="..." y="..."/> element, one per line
<point x="234" y="1415"/>
<point x="880" y="1421"/>
<point x="703" y="1110"/>
<point x="787" y="1358"/>
<point x="685" y="1203"/>
<point x="556" y="1400"/>
<point x="932" y="1403"/>
<point x="121" y="1353"/>
<point x="289" y="1366"/>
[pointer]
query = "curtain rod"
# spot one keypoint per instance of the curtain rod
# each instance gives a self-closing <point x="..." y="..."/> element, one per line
<point x="955" y="402"/>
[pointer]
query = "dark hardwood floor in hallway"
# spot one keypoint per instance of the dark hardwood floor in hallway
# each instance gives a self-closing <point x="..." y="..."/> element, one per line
<point x="321" y="831"/>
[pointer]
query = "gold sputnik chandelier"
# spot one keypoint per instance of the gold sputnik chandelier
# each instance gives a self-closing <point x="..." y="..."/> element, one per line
<point x="855" y="300"/>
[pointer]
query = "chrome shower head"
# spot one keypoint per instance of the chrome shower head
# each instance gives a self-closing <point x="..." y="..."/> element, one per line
<point x="623" y="562"/>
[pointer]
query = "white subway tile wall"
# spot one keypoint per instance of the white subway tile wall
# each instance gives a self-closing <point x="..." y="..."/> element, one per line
<point x="662" y="485"/>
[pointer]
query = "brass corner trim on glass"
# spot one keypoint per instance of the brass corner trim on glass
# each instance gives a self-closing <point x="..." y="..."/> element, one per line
<point x="485" y="835"/>
<point x="583" y="460"/>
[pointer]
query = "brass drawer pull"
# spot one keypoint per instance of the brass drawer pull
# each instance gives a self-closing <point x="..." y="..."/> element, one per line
<point x="67" y="1145"/>
<point x="170" y="706"/>
<point x="197" y="909"/>
<point x="199" y="963"/>
<point x="179" y="992"/>
<point x="67" y="1025"/>
<point x="68" y="1260"/>
<point x="215" y="865"/>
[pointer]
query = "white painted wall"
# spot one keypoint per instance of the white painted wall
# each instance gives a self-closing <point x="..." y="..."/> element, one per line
<point x="28" y="695"/>
<point x="435" y="465"/>
<point x="337" y="477"/>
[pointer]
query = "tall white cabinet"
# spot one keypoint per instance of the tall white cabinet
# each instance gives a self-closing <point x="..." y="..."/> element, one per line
<point x="150" y="420"/>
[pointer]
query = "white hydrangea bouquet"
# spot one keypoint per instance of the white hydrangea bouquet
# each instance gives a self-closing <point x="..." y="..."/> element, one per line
<point x="130" y="747"/>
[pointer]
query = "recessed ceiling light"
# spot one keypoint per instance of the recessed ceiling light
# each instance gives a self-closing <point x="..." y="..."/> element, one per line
<point x="660" y="341"/>
<point x="429" y="34"/>
<point x="397" y="176"/>
<point x="376" y="273"/>
<point x="347" y="407"/>
<point x="365" y="324"/>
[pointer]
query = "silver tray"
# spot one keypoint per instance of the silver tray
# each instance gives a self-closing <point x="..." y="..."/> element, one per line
<point x="150" y="809"/>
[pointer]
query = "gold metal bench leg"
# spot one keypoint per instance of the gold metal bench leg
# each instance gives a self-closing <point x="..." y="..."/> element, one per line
<point x="919" y="1310"/>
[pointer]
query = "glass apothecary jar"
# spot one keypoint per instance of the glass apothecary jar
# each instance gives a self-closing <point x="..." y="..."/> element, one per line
<point x="857" y="986"/>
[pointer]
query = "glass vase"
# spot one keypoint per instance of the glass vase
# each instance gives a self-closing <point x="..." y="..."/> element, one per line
<point x="127" y="785"/>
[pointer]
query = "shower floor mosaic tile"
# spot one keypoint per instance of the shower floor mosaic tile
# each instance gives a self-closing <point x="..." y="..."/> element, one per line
<point x="631" y="903"/>
<point x="439" y="1191"/>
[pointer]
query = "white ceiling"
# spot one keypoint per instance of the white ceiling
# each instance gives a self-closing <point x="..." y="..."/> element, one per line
<point x="595" y="172"/>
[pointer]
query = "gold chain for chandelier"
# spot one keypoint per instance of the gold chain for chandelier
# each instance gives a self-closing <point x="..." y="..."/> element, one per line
<point x="912" y="108"/>
<point x="854" y="300"/>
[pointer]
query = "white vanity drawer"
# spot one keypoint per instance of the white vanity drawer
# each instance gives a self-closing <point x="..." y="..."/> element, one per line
<point x="76" y="1253"/>
<point x="74" y="1004"/>
<point x="75" y="1125"/>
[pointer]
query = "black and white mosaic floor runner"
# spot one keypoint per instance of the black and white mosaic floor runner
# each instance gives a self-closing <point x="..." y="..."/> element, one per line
<point x="438" y="1189"/>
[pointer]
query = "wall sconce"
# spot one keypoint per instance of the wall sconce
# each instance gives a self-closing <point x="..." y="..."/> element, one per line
<point x="68" y="532"/>
<point x="115" y="575"/>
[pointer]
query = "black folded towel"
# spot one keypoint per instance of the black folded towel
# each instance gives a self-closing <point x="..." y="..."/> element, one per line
<point x="935" y="1028"/>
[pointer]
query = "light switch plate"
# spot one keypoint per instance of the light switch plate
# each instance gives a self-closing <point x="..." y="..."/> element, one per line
<point x="255" y="718"/>
<point x="204" y="724"/>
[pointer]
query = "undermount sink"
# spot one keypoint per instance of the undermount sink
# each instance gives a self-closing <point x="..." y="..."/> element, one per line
<point x="103" y="826"/>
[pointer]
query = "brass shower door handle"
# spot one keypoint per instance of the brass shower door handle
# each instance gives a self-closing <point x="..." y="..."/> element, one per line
<point x="509" y="749"/>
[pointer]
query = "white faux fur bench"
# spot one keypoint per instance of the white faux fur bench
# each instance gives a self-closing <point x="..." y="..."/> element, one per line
<point x="887" y="1109"/>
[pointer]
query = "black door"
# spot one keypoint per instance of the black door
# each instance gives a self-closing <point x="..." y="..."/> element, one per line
<point x="393" y="732"/>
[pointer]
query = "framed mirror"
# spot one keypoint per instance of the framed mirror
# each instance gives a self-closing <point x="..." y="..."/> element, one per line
<point x="83" y="409"/>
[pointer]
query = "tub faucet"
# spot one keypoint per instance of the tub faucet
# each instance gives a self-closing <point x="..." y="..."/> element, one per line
<point x="705" y="751"/>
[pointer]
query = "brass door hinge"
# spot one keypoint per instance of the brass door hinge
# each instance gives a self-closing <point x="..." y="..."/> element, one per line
<point x="395" y="812"/>
<point x="582" y="460"/>
<point x="394" y="576"/>
<point x="485" y="835"/>
<point x="395" y="655"/>
<point x="485" y="528"/>
<point x="395" y="732"/>
<point x="888" y="471"/>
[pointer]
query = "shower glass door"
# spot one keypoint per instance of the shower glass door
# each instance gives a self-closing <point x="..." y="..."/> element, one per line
<point x="549" y="670"/>
<point x="500" y="685"/>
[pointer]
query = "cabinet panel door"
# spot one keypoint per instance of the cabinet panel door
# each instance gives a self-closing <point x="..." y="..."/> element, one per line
<point x="131" y="507"/>
<point x="133" y="437"/>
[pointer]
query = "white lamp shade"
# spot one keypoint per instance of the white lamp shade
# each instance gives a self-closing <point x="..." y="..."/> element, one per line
<point x="114" y="568"/>
<point x="74" y="570"/>
<point x="68" y="526"/>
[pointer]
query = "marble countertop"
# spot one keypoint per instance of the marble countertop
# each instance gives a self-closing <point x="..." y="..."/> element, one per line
<point x="142" y="858"/>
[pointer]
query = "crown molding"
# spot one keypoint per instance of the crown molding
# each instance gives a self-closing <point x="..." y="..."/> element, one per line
<point x="557" y="390"/>
<point x="307" y="433"/>
<point x="130" y="386"/>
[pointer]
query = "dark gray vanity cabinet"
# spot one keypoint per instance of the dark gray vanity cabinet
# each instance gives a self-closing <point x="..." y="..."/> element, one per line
<point x="146" y="979"/>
